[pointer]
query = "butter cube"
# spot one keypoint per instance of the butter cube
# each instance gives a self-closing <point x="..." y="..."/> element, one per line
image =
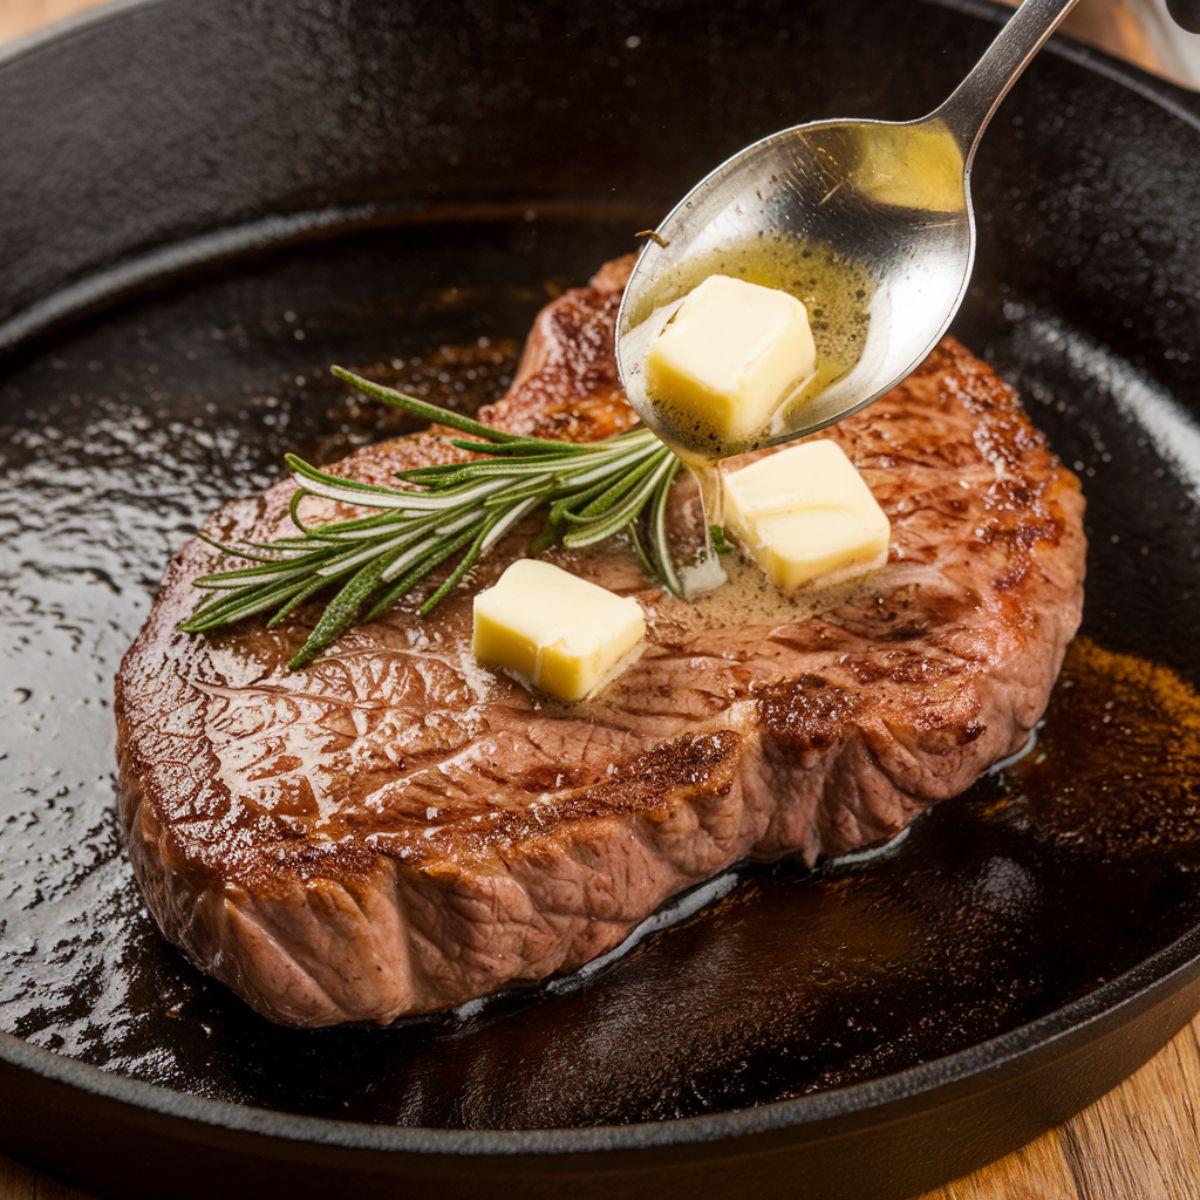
<point x="731" y="354"/>
<point x="806" y="513"/>
<point x="561" y="633"/>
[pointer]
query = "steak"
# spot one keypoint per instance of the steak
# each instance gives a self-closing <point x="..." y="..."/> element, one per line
<point x="395" y="830"/>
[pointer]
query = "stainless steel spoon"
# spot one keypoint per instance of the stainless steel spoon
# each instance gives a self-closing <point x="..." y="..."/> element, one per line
<point x="894" y="198"/>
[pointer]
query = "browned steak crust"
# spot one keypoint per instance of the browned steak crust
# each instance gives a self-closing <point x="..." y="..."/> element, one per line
<point x="395" y="830"/>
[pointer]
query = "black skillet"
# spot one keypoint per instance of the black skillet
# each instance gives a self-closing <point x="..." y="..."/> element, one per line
<point x="202" y="205"/>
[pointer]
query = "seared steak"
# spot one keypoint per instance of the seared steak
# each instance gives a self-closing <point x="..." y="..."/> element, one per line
<point x="395" y="830"/>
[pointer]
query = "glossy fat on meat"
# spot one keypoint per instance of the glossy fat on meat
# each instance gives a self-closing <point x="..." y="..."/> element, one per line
<point x="395" y="830"/>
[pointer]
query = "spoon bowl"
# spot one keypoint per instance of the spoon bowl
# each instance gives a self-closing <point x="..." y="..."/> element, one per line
<point x="890" y="200"/>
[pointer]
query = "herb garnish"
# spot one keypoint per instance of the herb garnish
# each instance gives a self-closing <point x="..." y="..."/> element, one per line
<point x="591" y="491"/>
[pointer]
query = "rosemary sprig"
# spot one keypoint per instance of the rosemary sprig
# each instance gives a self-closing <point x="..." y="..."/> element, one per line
<point x="590" y="491"/>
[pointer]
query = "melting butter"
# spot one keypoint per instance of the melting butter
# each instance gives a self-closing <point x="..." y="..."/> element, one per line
<point x="836" y="293"/>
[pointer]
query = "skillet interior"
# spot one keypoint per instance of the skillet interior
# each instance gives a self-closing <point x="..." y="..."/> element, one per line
<point x="121" y="432"/>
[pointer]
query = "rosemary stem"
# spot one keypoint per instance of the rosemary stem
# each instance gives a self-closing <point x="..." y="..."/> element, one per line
<point x="447" y="513"/>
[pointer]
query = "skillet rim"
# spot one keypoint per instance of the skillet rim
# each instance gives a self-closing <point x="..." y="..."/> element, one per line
<point x="820" y="1116"/>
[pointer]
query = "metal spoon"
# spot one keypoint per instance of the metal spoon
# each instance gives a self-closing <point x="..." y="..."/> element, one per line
<point x="893" y="198"/>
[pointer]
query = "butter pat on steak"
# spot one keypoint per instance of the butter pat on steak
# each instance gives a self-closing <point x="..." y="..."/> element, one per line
<point x="396" y="830"/>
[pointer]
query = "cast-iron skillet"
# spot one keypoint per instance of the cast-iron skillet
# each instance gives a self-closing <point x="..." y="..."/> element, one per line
<point x="201" y="206"/>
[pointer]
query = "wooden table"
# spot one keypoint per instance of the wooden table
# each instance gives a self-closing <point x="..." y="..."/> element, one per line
<point x="1141" y="1141"/>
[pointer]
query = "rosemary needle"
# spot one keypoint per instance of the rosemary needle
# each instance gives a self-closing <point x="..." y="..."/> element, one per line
<point x="591" y="491"/>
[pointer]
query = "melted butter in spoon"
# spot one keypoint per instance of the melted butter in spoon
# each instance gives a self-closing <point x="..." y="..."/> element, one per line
<point x="835" y="292"/>
<point x="837" y="296"/>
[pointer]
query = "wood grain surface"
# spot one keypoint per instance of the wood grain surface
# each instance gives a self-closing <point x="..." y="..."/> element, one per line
<point x="1141" y="1141"/>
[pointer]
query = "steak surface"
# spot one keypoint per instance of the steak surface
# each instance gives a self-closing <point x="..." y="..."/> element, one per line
<point x="396" y="830"/>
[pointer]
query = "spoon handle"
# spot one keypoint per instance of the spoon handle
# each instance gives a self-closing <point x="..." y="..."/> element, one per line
<point x="971" y="105"/>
